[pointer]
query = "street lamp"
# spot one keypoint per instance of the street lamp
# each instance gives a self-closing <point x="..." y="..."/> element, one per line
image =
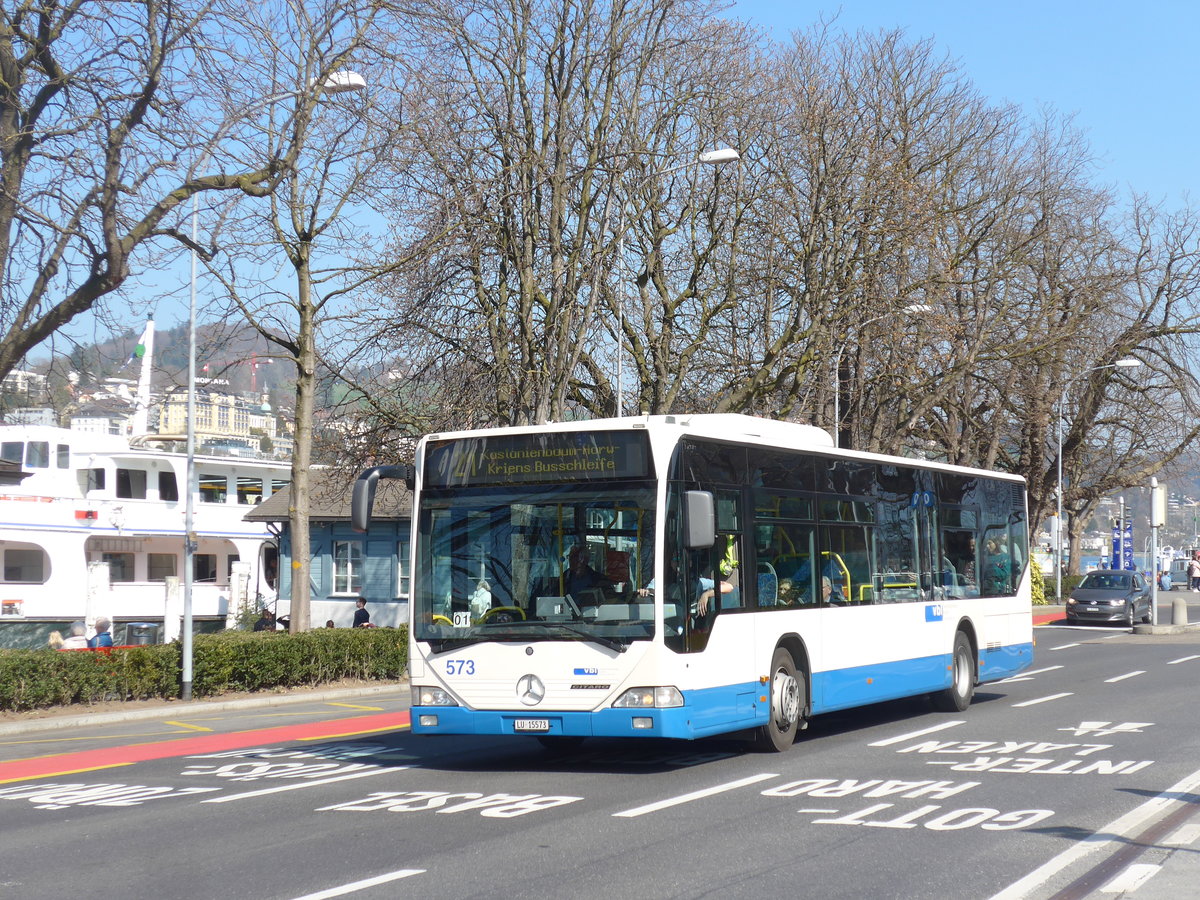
<point x="334" y="83"/>
<point x="913" y="309"/>
<point x="1126" y="363"/>
<point x="708" y="158"/>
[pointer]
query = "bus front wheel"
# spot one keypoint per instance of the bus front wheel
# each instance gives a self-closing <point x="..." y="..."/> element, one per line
<point x="786" y="696"/>
<point x="957" y="697"/>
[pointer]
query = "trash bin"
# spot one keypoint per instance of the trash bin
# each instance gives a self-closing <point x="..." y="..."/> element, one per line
<point x="141" y="634"/>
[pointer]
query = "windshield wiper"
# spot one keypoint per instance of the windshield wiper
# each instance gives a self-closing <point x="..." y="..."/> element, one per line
<point x="610" y="643"/>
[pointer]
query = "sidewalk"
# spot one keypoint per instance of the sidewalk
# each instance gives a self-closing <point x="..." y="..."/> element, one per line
<point x="133" y="711"/>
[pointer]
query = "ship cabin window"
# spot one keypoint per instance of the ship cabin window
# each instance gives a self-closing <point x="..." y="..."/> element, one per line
<point x="24" y="565"/>
<point x="131" y="484"/>
<point x="213" y="488"/>
<point x="249" y="490"/>
<point x="13" y="451"/>
<point x="168" y="487"/>
<point x="277" y="485"/>
<point x="91" y="480"/>
<point x="160" y="565"/>
<point x="229" y="561"/>
<point x="37" y="455"/>
<point x="120" y="565"/>
<point x="63" y="454"/>
<point x="204" y="567"/>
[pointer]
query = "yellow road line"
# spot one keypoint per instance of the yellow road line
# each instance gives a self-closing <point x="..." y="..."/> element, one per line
<point x="186" y="725"/>
<point x="343" y="734"/>
<point x="355" y="706"/>
<point x="64" y="772"/>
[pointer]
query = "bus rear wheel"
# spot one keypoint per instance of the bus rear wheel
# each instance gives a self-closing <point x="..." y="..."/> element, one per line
<point x="957" y="697"/>
<point x="787" y="696"/>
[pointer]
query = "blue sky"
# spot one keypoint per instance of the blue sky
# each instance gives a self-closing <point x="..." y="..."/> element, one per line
<point x="1128" y="71"/>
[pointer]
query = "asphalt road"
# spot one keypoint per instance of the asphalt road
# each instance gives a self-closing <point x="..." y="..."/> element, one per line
<point x="1058" y="783"/>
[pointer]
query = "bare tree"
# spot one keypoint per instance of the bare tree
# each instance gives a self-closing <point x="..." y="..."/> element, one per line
<point x="308" y="217"/>
<point x="102" y="105"/>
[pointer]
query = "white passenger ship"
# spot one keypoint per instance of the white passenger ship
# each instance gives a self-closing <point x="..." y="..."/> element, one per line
<point x="97" y="526"/>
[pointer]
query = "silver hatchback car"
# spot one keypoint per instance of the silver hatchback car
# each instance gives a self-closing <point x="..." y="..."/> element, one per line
<point x="1110" y="595"/>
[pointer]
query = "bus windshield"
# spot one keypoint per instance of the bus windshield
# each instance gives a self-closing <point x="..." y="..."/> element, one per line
<point x="549" y="562"/>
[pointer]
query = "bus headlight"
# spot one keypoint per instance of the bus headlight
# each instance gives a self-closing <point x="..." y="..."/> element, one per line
<point x="432" y="696"/>
<point x="649" y="698"/>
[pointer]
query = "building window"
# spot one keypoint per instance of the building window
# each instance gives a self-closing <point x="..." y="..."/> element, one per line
<point x="347" y="567"/>
<point x="160" y="565"/>
<point x="402" y="566"/>
<point x="131" y="484"/>
<point x="120" y="566"/>
<point x="24" y="565"/>
<point x="204" y="567"/>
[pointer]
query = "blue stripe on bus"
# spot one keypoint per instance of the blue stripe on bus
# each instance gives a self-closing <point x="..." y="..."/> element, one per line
<point x="735" y="707"/>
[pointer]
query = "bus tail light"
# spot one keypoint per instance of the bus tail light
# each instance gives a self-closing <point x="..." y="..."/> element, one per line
<point x="432" y="696"/>
<point x="649" y="698"/>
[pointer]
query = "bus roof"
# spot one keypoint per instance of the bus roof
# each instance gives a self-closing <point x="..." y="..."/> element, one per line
<point x="728" y="427"/>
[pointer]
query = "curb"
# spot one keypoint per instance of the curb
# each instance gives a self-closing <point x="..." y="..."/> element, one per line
<point x="180" y="708"/>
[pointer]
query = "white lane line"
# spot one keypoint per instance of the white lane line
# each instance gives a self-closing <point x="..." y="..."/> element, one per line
<point x="361" y="885"/>
<point x="1182" y="659"/>
<point x="1183" y="837"/>
<point x="1131" y="879"/>
<point x="1118" y="830"/>
<point x="1044" y="699"/>
<point x="1132" y="674"/>
<point x="694" y="795"/>
<point x="1025" y="676"/>
<point x="1065" y="646"/>
<point x="303" y="784"/>
<point x="887" y="742"/>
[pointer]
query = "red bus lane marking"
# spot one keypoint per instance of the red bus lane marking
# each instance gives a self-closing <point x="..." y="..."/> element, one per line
<point x="109" y="757"/>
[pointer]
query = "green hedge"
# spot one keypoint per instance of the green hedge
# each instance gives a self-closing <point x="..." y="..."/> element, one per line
<point x="229" y="661"/>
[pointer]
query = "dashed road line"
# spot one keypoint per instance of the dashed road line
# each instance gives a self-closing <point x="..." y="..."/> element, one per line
<point x="1066" y="646"/>
<point x="1184" y="837"/>
<point x="305" y="784"/>
<point x="1183" y="659"/>
<point x="1131" y="879"/>
<point x="694" y="795"/>
<point x="900" y="739"/>
<point x="1026" y="676"/>
<point x="1132" y="674"/>
<point x="344" y="889"/>
<point x="1044" y="699"/>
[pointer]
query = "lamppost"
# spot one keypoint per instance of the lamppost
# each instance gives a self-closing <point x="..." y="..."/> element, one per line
<point x="708" y="158"/>
<point x="335" y="83"/>
<point x="913" y="309"/>
<point x="1127" y="363"/>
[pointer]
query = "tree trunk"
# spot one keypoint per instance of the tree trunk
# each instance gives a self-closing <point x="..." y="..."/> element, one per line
<point x="306" y="367"/>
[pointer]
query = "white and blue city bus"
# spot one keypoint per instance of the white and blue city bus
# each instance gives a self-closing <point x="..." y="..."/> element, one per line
<point x="686" y="576"/>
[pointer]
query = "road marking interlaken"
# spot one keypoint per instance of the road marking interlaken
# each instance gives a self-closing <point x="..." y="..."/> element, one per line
<point x="113" y="757"/>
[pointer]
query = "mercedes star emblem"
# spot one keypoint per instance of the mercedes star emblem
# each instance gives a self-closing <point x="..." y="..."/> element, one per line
<point x="530" y="690"/>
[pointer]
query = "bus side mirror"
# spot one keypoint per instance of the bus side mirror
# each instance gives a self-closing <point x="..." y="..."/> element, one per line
<point x="701" y="520"/>
<point x="362" y="500"/>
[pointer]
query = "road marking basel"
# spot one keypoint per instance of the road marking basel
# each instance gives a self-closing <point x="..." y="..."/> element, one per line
<point x="694" y="795"/>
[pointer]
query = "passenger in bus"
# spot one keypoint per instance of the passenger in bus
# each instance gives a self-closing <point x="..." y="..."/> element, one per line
<point x="580" y="576"/>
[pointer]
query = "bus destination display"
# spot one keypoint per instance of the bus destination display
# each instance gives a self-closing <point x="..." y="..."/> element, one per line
<point x="528" y="458"/>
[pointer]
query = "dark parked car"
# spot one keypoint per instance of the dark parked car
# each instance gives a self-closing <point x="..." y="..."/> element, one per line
<point x="1110" y="595"/>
